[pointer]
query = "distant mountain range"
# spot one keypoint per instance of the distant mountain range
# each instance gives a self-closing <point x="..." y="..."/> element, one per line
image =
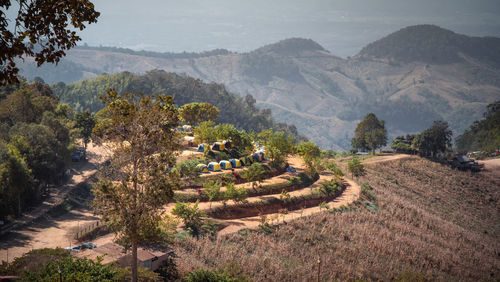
<point x="409" y="78"/>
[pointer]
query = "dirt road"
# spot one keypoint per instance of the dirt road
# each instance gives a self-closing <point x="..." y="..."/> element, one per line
<point x="46" y="232"/>
<point x="492" y="166"/>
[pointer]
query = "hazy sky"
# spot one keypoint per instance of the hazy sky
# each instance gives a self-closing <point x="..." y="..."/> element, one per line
<point x="341" y="26"/>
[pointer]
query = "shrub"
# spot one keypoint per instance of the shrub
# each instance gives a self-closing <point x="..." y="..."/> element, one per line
<point x="191" y="216"/>
<point x="202" y="275"/>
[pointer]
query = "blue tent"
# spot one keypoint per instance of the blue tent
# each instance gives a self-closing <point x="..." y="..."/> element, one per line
<point x="225" y="165"/>
<point x="256" y="157"/>
<point x="214" y="166"/>
<point x="218" y="146"/>
<point x="203" y="148"/>
<point x="235" y="163"/>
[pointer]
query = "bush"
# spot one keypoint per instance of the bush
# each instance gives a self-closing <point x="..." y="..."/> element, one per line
<point x="202" y="275"/>
<point x="72" y="269"/>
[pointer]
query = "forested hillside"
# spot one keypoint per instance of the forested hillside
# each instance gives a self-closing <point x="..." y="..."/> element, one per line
<point x="241" y="112"/>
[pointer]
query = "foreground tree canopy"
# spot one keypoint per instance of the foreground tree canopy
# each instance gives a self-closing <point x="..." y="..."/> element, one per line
<point x="370" y="134"/>
<point x="42" y="29"/>
<point x="141" y="129"/>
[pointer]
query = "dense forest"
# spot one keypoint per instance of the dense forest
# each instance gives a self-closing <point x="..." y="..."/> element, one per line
<point x="240" y="111"/>
<point x="483" y="135"/>
<point x="35" y="141"/>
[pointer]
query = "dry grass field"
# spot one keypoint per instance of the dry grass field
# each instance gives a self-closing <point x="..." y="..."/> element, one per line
<point x="432" y="223"/>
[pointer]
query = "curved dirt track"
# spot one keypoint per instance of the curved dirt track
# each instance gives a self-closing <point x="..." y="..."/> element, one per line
<point x="350" y="194"/>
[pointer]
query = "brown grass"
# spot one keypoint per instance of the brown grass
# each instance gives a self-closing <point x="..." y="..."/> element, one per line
<point x="432" y="221"/>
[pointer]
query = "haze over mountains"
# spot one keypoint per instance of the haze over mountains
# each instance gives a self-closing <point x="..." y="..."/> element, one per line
<point x="409" y="78"/>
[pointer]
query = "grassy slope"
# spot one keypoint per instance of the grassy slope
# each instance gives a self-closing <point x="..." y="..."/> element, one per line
<point x="441" y="223"/>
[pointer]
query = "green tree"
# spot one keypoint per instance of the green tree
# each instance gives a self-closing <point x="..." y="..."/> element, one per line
<point x="356" y="168"/>
<point x="85" y="121"/>
<point x="74" y="269"/>
<point x="194" y="113"/>
<point x="433" y="140"/>
<point x="310" y="153"/>
<point x="16" y="182"/>
<point x="41" y="29"/>
<point x="204" y="133"/>
<point x="239" y="138"/>
<point x="142" y="131"/>
<point x="370" y="134"/>
<point x="212" y="189"/>
<point x="238" y="195"/>
<point x="403" y="144"/>
<point x="278" y="146"/>
<point x="483" y="135"/>
<point x="255" y="174"/>
<point x="190" y="215"/>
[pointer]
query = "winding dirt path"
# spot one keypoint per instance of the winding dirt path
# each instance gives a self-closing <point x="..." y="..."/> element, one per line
<point x="350" y="195"/>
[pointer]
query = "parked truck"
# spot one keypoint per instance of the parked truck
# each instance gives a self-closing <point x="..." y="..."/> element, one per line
<point x="464" y="163"/>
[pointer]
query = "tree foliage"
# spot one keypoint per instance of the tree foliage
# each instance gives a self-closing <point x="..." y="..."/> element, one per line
<point x="194" y="113"/>
<point x="483" y="135"/>
<point x="233" y="109"/>
<point x="434" y="140"/>
<point x="278" y="146"/>
<point x="190" y="215"/>
<point x="74" y="269"/>
<point x="404" y="144"/>
<point x="356" y="168"/>
<point x="35" y="134"/>
<point x="141" y="129"/>
<point x="41" y="29"/>
<point x="370" y="134"/>
<point x="85" y="121"/>
<point x="310" y="153"/>
<point x="255" y="174"/>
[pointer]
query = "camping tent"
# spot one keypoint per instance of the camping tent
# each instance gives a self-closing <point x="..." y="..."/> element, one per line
<point x="218" y="146"/>
<point x="171" y="169"/>
<point x="228" y="144"/>
<point x="248" y="161"/>
<point x="203" y="148"/>
<point x="225" y="165"/>
<point x="214" y="166"/>
<point x="256" y="157"/>
<point x="243" y="161"/>
<point x="262" y="155"/>
<point x="202" y="168"/>
<point x="235" y="163"/>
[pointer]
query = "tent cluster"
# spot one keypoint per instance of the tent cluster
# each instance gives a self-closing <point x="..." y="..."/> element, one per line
<point x="258" y="156"/>
<point x="217" y="146"/>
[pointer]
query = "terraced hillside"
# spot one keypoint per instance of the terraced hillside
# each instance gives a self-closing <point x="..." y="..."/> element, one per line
<point x="283" y="197"/>
<point x="429" y="222"/>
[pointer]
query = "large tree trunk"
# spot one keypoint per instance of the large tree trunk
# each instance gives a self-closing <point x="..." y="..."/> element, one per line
<point x="134" y="257"/>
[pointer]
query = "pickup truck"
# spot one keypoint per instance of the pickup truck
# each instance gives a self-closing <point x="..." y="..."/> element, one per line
<point x="78" y="155"/>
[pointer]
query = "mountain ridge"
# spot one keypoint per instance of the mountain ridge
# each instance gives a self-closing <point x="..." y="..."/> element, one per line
<point x="299" y="80"/>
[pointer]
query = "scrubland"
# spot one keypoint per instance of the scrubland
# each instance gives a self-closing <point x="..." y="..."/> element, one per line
<point x="432" y="223"/>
